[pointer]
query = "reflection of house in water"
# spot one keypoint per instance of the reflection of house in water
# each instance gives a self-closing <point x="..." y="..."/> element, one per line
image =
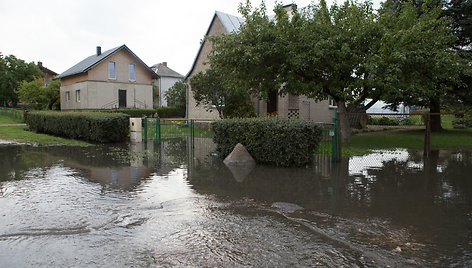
<point x="122" y="177"/>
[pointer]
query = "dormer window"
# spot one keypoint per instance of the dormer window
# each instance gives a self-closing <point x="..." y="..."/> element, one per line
<point x="132" y="72"/>
<point x="111" y="70"/>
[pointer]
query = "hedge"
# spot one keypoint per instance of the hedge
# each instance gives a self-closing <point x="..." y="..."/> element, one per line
<point x="270" y="140"/>
<point x="89" y="126"/>
<point x="462" y="123"/>
<point x="162" y="112"/>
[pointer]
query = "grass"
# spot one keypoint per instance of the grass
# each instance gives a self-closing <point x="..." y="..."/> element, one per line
<point x="447" y="139"/>
<point x="23" y="135"/>
<point x="9" y="120"/>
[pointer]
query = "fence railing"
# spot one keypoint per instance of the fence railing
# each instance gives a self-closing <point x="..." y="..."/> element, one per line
<point x="160" y="129"/>
<point x="13" y="113"/>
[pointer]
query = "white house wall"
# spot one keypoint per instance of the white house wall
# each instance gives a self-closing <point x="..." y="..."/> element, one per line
<point x="164" y="84"/>
<point x="104" y="95"/>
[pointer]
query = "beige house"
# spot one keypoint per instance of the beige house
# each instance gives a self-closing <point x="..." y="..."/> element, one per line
<point x="116" y="78"/>
<point x="286" y="106"/>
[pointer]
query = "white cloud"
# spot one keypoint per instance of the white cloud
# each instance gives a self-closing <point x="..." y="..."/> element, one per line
<point x="60" y="33"/>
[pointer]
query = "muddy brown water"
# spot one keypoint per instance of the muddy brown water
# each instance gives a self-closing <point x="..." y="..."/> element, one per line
<point x="161" y="205"/>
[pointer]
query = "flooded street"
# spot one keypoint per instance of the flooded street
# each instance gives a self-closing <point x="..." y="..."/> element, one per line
<point x="163" y="205"/>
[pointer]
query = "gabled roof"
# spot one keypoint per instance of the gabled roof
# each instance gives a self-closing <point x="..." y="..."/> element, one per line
<point x="91" y="61"/>
<point x="163" y="71"/>
<point x="230" y="23"/>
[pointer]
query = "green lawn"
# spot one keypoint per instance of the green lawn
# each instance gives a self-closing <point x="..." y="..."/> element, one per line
<point x="9" y="120"/>
<point x="21" y="134"/>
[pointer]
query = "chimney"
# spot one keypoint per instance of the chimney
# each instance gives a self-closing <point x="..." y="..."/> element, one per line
<point x="99" y="50"/>
<point x="164" y="63"/>
<point x="40" y="64"/>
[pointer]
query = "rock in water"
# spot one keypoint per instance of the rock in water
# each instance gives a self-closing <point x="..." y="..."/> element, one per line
<point x="239" y="157"/>
<point x="240" y="162"/>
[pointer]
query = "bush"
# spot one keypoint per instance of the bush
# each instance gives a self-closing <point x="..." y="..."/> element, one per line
<point x="384" y="121"/>
<point x="90" y="126"/>
<point x="462" y="123"/>
<point x="163" y="112"/>
<point x="170" y="112"/>
<point x="270" y="140"/>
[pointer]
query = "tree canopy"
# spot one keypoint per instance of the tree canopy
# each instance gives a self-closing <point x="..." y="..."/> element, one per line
<point x="175" y="95"/>
<point x="348" y="52"/>
<point x="12" y="72"/>
<point x="39" y="97"/>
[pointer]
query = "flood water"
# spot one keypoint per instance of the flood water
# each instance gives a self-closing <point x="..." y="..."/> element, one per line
<point x="163" y="205"/>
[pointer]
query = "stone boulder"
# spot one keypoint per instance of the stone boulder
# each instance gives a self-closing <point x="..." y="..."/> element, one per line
<point x="239" y="157"/>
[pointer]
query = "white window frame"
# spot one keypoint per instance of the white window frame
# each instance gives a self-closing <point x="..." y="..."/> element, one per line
<point x="110" y="74"/>
<point x="77" y="95"/>
<point x="67" y="93"/>
<point x="134" y="72"/>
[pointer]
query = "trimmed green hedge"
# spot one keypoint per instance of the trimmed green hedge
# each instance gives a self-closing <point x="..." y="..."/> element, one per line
<point x="270" y="140"/>
<point x="163" y="112"/>
<point x="90" y="126"/>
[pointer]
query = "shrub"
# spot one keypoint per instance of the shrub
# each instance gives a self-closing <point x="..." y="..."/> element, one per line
<point x="384" y="121"/>
<point x="270" y="140"/>
<point x="90" y="126"/>
<point x="170" y="112"/>
<point x="462" y="123"/>
<point x="163" y="112"/>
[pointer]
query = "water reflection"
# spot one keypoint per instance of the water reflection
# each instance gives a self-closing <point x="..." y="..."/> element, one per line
<point x="178" y="202"/>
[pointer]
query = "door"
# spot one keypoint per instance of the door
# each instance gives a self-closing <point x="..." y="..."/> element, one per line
<point x="121" y="98"/>
<point x="272" y="102"/>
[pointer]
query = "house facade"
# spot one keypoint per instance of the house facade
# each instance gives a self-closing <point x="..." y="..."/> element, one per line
<point x="48" y="74"/>
<point x="166" y="79"/>
<point x="286" y="106"/>
<point x="114" y="79"/>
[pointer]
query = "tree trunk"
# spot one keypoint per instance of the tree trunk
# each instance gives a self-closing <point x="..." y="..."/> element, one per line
<point x="344" y="128"/>
<point x="434" y="107"/>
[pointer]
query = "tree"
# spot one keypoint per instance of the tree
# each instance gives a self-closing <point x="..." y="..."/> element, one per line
<point x="175" y="95"/>
<point x="461" y="13"/>
<point x="349" y="53"/>
<point x="210" y="89"/>
<point x="12" y="72"/>
<point x="416" y="50"/>
<point x="317" y="52"/>
<point x="38" y="96"/>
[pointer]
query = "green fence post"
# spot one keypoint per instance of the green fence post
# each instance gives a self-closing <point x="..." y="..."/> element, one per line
<point x="144" y="125"/>
<point x="334" y="141"/>
<point x="192" y="133"/>
<point x="159" y="129"/>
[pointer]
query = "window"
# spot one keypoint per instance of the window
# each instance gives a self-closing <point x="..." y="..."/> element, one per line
<point x="111" y="70"/>
<point x="332" y="103"/>
<point x="67" y="95"/>
<point x="132" y="73"/>
<point x="77" y="95"/>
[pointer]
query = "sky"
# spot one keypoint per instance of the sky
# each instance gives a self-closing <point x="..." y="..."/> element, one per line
<point x="61" y="33"/>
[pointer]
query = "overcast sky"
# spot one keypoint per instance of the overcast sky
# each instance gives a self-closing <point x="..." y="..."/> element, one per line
<point x="60" y="33"/>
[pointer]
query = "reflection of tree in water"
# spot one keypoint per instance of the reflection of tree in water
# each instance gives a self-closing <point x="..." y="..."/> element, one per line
<point x="175" y="151"/>
<point x="16" y="160"/>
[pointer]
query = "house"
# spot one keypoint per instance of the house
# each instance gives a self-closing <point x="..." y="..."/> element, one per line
<point x="116" y="78"/>
<point x="166" y="79"/>
<point x="48" y="74"/>
<point x="286" y="106"/>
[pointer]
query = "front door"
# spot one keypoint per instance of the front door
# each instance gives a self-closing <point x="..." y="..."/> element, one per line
<point x="122" y="98"/>
<point x="272" y="102"/>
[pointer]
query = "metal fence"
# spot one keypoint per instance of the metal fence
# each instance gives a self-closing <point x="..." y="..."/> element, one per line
<point x="159" y="129"/>
<point x="13" y="113"/>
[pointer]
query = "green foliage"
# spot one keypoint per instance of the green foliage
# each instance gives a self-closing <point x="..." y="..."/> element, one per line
<point x="270" y="140"/>
<point x="12" y="72"/>
<point x="461" y="123"/>
<point x="89" y="126"/>
<point x="176" y="95"/>
<point x="170" y="112"/>
<point x="384" y="121"/>
<point x="39" y="97"/>
<point x="213" y="90"/>
<point x="163" y="112"/>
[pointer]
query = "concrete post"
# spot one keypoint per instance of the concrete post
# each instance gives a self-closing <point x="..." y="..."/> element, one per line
<point x="136" y="129"/>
